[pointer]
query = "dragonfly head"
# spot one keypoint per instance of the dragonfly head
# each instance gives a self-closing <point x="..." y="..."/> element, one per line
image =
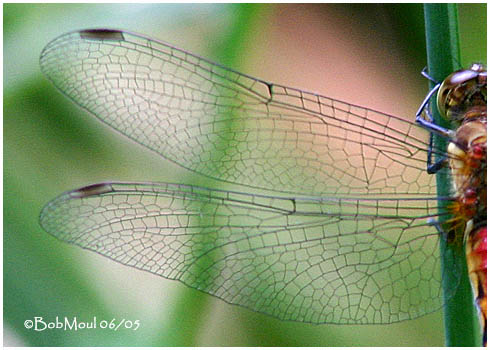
<point x="461" y="91"/>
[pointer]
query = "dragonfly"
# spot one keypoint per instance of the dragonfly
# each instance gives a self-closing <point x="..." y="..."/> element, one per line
<point x="327" y="211"/>
<point x="461" y="98"/>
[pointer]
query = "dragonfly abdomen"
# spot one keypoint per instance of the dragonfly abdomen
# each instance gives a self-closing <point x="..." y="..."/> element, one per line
<point x="476" y="256"/>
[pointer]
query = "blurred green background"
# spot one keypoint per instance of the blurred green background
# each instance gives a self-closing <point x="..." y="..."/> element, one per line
<point x="369" y="55"/>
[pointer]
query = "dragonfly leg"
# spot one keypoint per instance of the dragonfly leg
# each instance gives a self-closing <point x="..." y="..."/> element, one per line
<point x="449" y="234"/>
<point x="437" y="226"/>
<point x="424" y="118"/>
<point x="426" y="75"/>
<point x="433" y="168"/>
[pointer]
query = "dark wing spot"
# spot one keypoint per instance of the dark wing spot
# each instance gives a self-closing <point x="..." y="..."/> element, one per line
<point x="101" y="34"/>
<point x="92" y="190"/>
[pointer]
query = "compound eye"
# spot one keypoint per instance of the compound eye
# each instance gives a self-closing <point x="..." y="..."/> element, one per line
<point x="441" y="99"/>
<point x="457" y="87"/>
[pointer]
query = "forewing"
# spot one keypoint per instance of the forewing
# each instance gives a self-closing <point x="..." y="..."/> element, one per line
<point x="232" y="127"/>
<point x="318" y="260"/>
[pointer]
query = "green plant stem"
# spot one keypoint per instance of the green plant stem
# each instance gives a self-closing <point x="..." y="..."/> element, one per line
<point x="441" y="22"/>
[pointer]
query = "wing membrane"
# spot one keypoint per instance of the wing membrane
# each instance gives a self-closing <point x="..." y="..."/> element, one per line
<point x="348" y="241"/>
<point x="232" y="127"/>
<point x="318" y="260"/>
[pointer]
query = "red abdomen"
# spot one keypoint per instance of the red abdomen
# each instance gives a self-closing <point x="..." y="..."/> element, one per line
<point x="476" y="256"/>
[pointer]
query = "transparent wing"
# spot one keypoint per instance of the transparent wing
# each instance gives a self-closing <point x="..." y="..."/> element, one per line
<point x="232" y="127"/>
<point x="318" y="260"/>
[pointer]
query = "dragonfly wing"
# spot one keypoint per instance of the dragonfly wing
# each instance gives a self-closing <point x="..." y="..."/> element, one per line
<point x="232" y="127"/>
<point x="318" y="260"/>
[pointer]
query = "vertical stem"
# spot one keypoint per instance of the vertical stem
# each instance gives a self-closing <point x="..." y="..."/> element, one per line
<point x="441" y="22"/>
